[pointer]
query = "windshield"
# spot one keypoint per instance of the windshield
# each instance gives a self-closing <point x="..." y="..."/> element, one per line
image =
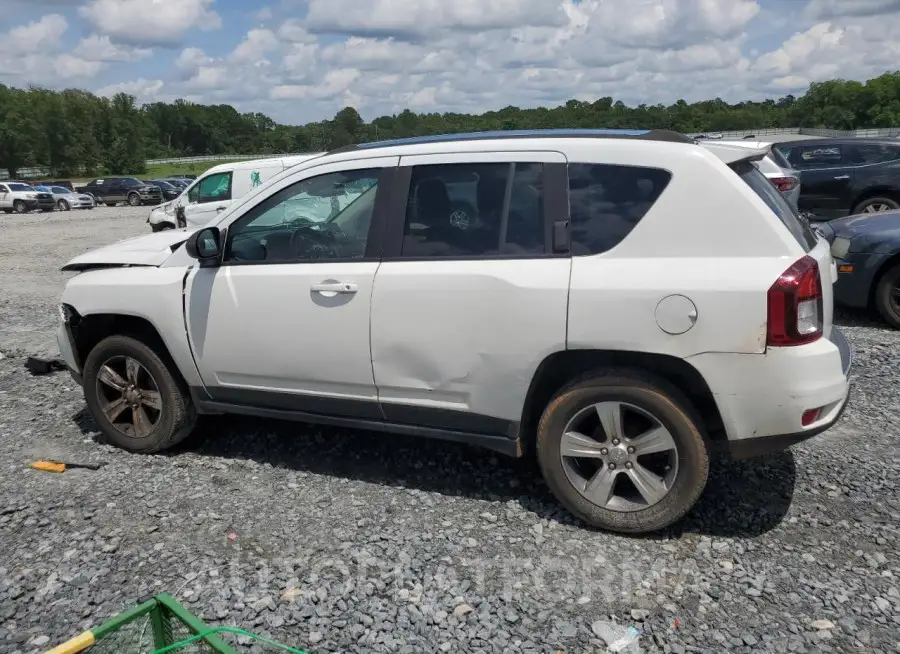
<point x="20" y="187"/>
<point x="776" y="202"/>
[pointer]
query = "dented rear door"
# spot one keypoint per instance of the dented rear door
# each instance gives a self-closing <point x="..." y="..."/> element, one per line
<point x="469" y="298"/>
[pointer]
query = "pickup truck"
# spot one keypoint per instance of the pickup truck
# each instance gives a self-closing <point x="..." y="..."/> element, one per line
<point x="22" y="198"/>
<point x="112" y="190"/>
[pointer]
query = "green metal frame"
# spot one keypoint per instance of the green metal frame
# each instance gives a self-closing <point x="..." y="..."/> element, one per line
<point x="162" y="609"/>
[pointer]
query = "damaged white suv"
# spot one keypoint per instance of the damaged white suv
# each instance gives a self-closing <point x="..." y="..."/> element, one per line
<point x="616" y="303"/>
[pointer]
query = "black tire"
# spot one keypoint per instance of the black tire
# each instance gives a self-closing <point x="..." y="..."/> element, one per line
<point x="63" y="205"/>
<point x="134" y="199"/>
<point x="887" y="296"/>
<point x="177" y="416"/>
<point x="658" y="398"/>
<point x="19" y="207"/>
<point x="161" y="227"/>
<point x="882" y="204"/>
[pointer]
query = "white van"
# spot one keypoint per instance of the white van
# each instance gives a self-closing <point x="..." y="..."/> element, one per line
<point x="216" y="189"/>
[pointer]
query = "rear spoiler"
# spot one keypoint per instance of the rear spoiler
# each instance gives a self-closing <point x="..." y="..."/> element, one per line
<point x="736" y="154"/>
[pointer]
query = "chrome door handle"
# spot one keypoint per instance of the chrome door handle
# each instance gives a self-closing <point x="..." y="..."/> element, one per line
<point x="843" y="177"/>
<point x="334" y="287"/>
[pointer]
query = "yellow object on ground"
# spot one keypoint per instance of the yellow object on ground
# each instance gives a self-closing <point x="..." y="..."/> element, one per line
<point x="78" y="644"/>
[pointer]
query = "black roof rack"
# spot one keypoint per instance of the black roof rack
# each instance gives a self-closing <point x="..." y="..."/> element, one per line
<point x="639" y="134"/>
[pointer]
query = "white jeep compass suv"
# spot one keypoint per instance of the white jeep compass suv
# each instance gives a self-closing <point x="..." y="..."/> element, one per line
<point x="616" y="303"/>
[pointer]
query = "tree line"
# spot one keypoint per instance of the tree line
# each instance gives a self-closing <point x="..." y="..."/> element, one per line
<point x="74" y="132"/>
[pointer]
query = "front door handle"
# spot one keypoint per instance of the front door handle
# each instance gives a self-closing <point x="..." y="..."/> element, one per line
<point x="334" y="287"/>
<point x="220" y="209"/>
<point x="843" y="177"/>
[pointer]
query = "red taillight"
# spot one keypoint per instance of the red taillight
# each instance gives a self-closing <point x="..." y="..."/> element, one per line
<point x="809" y="417"/>
<point x="785" y="183"/>
<point x="795" y="305"/>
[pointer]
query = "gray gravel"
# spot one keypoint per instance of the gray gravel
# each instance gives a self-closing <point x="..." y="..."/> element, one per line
<point x="355" y="542"/>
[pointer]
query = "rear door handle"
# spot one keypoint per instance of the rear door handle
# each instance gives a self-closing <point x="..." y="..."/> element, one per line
<point x="220" y="209"/>
<point x="843" y="177"/>
<point x="334" y="287"/>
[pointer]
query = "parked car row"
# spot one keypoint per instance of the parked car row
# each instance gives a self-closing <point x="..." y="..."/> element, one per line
<point x="20" y="197"/>
<point x="615" y="303"/>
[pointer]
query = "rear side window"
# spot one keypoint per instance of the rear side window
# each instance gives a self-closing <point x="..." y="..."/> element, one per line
<point x="475" y="210"/>
<point x="819" y="155"/>
<point x="606" y="202"/>
<point x="776" y="202"/>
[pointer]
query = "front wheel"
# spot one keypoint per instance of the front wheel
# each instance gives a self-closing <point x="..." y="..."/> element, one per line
<point x="622" y="451"/>
<point x="134" y="396"/>
<point x="876" y="205"/>
<point x="19" y="206"/>
<point x="887" y="296"/>
<point x="63" y="205"/>
<point x="134" y="199"/>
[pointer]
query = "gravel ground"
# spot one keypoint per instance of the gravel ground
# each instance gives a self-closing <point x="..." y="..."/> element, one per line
<point x="353" y="542"/>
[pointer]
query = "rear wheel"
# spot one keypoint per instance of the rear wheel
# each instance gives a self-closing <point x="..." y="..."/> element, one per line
<point x="622" y="451"/>
<point x="19" y="206"/>
<point x="135" y="397"/>
<point x="887" y="296"/>
<point x="876" y="205"/>
<point x="63" y="205"/>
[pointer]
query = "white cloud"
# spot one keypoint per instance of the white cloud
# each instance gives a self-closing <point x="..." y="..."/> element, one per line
<point x="255" y="46"/>
<point x="35" y="37"/>
<point x="145" y="90"/>
<point x="67" y="65"/>
<point x="835" y="8"/>
<point x="100" y="48"/>
<point x="150" y="22"/>
<point x="422" y="17"/>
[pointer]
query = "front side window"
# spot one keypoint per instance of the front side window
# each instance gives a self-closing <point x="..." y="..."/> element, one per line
<point x="212" y="188"/>
<point x="321" y="218"/>
<point x="128" y="182"/>
<point x="872" y="153"/>
<point x="60" y="190"/>
<point x="466" y="210"/>
<point x="606" y="202"/>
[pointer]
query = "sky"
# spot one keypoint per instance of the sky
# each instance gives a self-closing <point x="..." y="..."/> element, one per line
<point x="302" y="60"/>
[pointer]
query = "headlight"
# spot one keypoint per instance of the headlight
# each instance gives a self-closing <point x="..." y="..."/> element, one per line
<point x="840" y="247"/>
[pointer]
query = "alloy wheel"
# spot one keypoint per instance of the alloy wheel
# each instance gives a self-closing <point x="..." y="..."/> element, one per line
<point x="129" y="396"/>
<point x="619" y="456"/>
<point x="877" y="207"/>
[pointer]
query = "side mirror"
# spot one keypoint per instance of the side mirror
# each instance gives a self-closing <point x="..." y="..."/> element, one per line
<point x="205" y="246"/>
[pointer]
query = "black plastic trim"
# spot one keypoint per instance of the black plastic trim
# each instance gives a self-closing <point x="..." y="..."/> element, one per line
<point x="448" y="419"/>
<point x="506" y="442"/>
<point x="749" y="448"/>
<point x="310" y="404"/>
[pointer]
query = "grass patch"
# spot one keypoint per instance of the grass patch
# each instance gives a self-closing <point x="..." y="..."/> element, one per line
<point x="161" y="171"/>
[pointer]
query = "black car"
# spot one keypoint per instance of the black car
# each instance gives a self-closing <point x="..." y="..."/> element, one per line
<point x="111" y="190"/>
<point x="169" y="191"/>
<point x="846" y="176"/>
<point x="866" y="251"/>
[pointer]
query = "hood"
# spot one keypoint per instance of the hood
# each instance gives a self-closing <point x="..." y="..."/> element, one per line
<point x="867" y="223"/>
<point x="147" y="250"/>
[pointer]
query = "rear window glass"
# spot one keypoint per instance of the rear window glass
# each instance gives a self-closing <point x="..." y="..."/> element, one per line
<point x="779" y="158"/>
<point x="776" y="202"/>
<point x="606" y="202"/>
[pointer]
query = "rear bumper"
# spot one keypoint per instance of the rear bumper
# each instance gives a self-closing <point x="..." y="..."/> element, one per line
<point x="762" y="397"/>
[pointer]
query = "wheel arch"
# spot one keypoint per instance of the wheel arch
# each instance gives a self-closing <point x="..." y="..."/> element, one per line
<point x="560" y="368"/>
<point x="874" y="192"/>
<point x="90" y="329"/>
<point x="881" y="272"/>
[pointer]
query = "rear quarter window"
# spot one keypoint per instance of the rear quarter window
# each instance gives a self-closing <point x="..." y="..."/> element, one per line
<point x="606" y="202"/>
<point x="769" y="194"/>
